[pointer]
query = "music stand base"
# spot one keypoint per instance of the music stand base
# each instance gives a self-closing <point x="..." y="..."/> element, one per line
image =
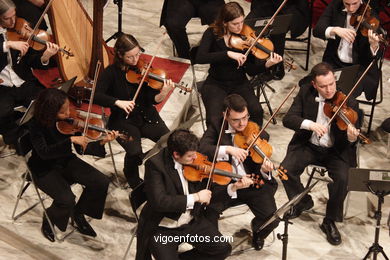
<point x="375" y="249"/>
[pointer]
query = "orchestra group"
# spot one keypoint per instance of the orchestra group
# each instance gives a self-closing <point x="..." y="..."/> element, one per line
<point x="176" y="205"/>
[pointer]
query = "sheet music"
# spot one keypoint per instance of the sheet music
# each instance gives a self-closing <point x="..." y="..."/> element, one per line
<point x="379" y="176"/>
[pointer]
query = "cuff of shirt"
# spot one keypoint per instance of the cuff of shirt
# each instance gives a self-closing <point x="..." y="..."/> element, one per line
<point x="45" y="63"/>
<point x="5" y="48"/>
<point x="266" y="176"/>
<point x="190" y="201"/>
<point x="232" y="194"/>
<point x="306" y="124"/>
<point x="374" y="52"/>
<point x="327" y="33"/>
<point x="222" y="155"/>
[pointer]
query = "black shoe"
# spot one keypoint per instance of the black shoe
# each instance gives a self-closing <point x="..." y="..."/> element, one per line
<point x="257" y="241"/>
<point x="46" y="230"/>
<point x="332" y="233"/>
<point x="279" y="71"/>
<point x="297" y="210"/>
<point x="83" y="226"/>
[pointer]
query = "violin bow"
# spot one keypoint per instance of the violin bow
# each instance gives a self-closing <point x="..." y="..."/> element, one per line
<point x="37" y="25"/>
<point x="95" y="77"/>
<point x="269" y="120"/>
<point x="350" y="92"/>
<point x="265" y="27"/>
<point x="362" y="16"/>
<point x="147" y="70"/>
<point x="216" y="150"/>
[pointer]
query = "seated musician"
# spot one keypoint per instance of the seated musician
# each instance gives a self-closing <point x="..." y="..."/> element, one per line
<point x="314" y="142"/>
<point x="170" y="199"/>
<point x="176" y="14"/>
<point x="18" y="85"/>
<point x="228" y="67"/>
<point x="300" y="11"/>
<point x="347" y="47"/>
<point x="54" y="167"/>
<point x="114" y="91"/>
<point x="261" y="201"/>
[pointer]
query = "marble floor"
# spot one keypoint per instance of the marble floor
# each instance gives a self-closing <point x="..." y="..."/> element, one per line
<point x="22" y="239"/>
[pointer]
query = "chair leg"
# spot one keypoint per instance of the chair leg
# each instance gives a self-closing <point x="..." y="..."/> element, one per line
<point x="134" y="232"/>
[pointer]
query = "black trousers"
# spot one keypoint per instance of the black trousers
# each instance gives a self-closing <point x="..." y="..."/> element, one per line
<point x="57" y="184"/>
<point x="179" y="13"/>
<point x="214" y="91"/>
<point x="297" y="160"/>
<point x="133" y="157"/>
<point x="261" y="202"/>
<point x="11" y="97"/>
<point x="195" y="233"/>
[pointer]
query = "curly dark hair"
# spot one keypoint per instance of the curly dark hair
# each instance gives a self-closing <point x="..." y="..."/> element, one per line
<point x="125" y="43"/>
<point x="182" y="141"/>
<point x="227" y="13"/>
<point x="47" y="105"/>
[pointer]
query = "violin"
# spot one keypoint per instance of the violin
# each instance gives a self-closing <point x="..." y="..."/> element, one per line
<point x="75" y="123"/>
<point x="200" y="169"/>
<point x="22" y="32"/>
<point x="345" y="116"/>
<point x="262" y="48"/>
<point x="364" y="20"/>
<point x="259" y="149"/>
<point x="155" y="77"/>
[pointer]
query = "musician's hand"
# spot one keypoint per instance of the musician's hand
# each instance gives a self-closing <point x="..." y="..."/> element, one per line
<point x="273" y="59"/>
<point x="344" y="33"/>
<point x="111" y="135"/>
<point x="126" y="105"/>
<point x="352" y="133"/>
<point x="167" y="87"/>
<point x="203" y="196"/>
<point x="267" y="165"/>
<point x="238" y="153"/>
<point x="18" y="45"/>
<point x="80" y="140"/>
<point x="51" y="50"/>
<point x="319" y="129"/>
<point x="242" y="183"/>
<point x="373" y="39"/>
<point x="239" y="57"/>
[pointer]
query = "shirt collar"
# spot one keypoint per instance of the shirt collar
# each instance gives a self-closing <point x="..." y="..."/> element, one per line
<point x="3" y="30"/>
<point x="178" y="166"/>
<point x="230" y="130"/>
<point x="320" y="98"/>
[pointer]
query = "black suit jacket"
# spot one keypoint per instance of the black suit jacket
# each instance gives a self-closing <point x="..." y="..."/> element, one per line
<point x="165" y="198"/>
<point x="30" y="60"/>
<point x="305" y="107"/>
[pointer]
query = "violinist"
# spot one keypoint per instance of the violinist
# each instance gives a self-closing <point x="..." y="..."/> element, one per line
<point x="170" y="200"/>
<point x="346" y="46"/>
<point x="228" y="67"/>
<point x="261" y="200"/>
<point x="54" y="167"/>
<point x="314" y="142"/>
<point x="114" y="91"/>
<point x="18" y="86"/>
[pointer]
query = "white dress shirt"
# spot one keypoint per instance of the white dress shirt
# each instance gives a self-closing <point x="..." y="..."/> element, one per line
<point x="186" y="217"/>
<point x="325" y="140"/>
<point x="8" y="75"/>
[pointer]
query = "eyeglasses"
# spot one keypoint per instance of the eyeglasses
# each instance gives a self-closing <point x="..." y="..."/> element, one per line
<point x="238" y="120"/>
<point x="134" y="56"/>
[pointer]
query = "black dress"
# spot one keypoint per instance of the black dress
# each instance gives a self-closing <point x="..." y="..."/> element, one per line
<point x="143" y="121"/>
<point x="226" y="78"/>
<point x="54" y="168"/>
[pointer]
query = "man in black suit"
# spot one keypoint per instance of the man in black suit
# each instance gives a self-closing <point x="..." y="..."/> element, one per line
<point x="260" y="200"/>
<point x="18" y="85"/>
<point x="177" y="13"/>
<point x="347" y="47"/>
<point x="314" y="142"/>
<point x="168" y="214"/>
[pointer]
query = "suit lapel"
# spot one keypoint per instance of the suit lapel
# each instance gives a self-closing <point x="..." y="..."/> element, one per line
<point x="172" y="172"/>
<point x="312" y="104"/>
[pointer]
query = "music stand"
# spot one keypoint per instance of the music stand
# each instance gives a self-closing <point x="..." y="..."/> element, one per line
<point x="378" y="183"/>
<point x="346" y="77"/>
<point x="65" y="86"/>
<point x="280" y="25"/>
<point x="116" y="35"/>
